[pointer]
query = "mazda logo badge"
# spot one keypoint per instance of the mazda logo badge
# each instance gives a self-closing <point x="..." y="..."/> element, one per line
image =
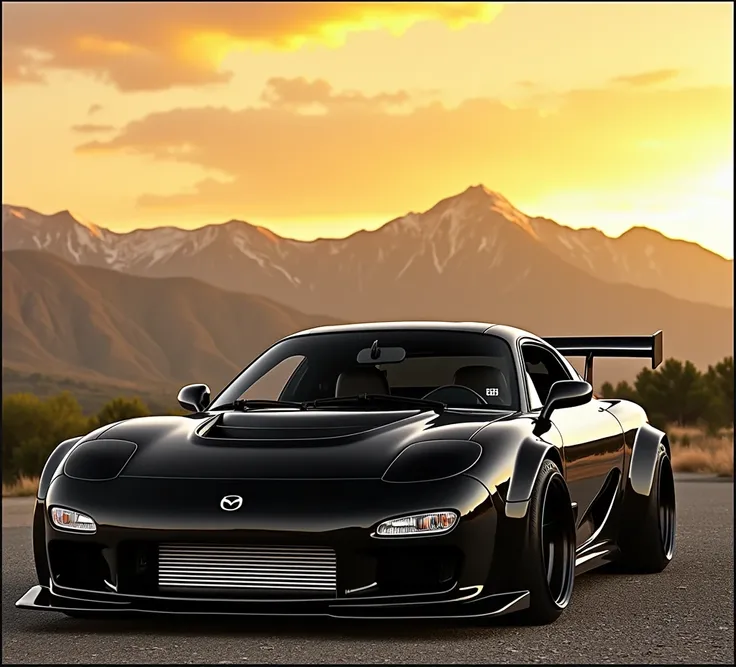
<point x="231" y="503"/>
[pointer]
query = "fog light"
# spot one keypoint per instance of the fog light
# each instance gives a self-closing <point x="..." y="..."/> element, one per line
<point x="71" y="520"/>
<point x="418" y="524"/>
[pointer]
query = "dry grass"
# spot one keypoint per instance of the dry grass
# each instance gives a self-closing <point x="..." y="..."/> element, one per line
<point x="695" y="451"/>
<point x="24" y="486"/>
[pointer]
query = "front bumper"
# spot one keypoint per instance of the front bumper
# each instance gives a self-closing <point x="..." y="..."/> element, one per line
<point x="135" y="516"/>
<point x="456" y="604"/>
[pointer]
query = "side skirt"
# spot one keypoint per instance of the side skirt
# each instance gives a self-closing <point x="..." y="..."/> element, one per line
<point x="599" y="549"/>
<point x="595" y="555"/>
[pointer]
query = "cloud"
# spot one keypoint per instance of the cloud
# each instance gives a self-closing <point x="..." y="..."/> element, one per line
<point x="94" y="108"/>
<point x="280" y="161"/>
<point x="91" y="128"/>
<point x="298" y="94"/>
<point x="647" y="78"/>
<point x="158" y="45"/>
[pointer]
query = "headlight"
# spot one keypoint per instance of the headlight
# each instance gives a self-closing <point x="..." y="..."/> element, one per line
<point x="71" y="520"/>
<point x="418" y="524"/>
<point x="99" y="460"/>
<point x="432" y="460"/>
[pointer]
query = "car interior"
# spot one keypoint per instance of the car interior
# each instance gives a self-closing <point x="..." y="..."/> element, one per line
<point x="480" y="379"/>
<point x="362" y="380"/>
<point x="460" y="380"/>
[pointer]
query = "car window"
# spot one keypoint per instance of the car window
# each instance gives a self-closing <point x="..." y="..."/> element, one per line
<point x="535" y="403"/>
<point x="543" y="367"/>
<point x="271" y="383"/>
<point x="326" y="365"/>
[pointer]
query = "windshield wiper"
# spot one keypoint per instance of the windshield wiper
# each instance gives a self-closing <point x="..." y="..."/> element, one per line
<point x="377" y="398"/>
<point x="246" y="404"/>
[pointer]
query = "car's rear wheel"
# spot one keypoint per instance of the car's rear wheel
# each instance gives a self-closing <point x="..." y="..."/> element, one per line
<point x="649" y="524"/>
<point x="543" y="553"/>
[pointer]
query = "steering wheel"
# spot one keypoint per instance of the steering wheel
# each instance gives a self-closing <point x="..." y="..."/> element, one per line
<point x="436" y="394"/>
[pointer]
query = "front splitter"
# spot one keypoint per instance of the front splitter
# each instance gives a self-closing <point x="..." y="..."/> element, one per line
<point x="41" y="598"/>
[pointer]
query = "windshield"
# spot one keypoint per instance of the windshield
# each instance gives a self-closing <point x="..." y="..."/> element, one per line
<point x="459" y="369"/>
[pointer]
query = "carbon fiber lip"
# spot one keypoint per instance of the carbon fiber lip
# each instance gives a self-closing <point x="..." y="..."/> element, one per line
<point x="40" y="598"/>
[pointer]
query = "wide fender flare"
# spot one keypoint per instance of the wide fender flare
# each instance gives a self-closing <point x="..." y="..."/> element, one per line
<point x="529" y="458"/>
<point x="644" y="455"/>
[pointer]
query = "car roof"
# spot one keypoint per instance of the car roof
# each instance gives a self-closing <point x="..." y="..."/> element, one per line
<point x="508" y="333"/>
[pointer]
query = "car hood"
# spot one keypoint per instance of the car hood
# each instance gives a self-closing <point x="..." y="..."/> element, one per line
<point x="285" y="444"/>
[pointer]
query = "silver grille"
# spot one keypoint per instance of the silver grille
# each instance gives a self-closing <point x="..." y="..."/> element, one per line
<point x="247" y="567"/>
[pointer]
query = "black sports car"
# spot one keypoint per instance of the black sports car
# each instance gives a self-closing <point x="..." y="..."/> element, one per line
<point x="410" y="469"/>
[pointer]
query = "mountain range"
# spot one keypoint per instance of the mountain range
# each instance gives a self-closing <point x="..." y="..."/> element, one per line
<point x="234" y="287"/>
<point x="477" y="225"/>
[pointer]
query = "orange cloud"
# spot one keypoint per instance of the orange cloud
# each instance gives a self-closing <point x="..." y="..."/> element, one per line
<point x="647" y="78"/>
<point x="157" y="45"/>
<point x="91" y="128"/>
<point x="298" y="94"/>
<point x="279" y="161"/>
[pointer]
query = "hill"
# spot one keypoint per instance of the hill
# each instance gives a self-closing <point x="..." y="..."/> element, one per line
<point x="102" y="326"/>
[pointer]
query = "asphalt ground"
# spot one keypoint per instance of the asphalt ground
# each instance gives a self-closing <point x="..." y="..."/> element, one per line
<point x="683" y="615"/>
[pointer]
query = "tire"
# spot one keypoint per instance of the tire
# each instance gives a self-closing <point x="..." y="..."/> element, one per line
<point x="649" y="523"/>
<point x="541" y="550"/>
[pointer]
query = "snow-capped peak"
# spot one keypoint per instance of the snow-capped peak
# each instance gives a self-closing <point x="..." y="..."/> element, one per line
<point x="484" y="199"/>
<point x="86" y="223"/>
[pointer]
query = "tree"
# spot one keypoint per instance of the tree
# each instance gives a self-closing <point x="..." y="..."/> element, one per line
<point x="674" y="393"/>
<point x="622" y="390"/>
<point x="719" y="386"/>
<point x="121" y="408"/>
<point x="32" y="428"/>
<point x="23" y="423"/>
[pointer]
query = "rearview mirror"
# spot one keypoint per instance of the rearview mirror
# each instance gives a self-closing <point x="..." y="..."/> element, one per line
<point x="381" y="355"/>
<point x="566" y="394"/>
<point x="194" y="397"/>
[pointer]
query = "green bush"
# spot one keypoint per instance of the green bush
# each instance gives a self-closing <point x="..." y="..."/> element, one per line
<point x="32" y="427"/>
<point x="678" y="393"/>
<point x="119" y="409"/>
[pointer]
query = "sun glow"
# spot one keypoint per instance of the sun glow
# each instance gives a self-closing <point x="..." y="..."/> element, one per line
<point x="210" y="47"/>
<point x="721" y="180"/>
<point x="333" y="33"/>
<point x="456" y="15"/>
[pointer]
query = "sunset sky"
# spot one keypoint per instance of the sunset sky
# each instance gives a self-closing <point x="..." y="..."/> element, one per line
<point x="318" y="119"/>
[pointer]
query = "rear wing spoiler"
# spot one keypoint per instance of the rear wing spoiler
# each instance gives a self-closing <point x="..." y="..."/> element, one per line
<point x="590" y="347"/>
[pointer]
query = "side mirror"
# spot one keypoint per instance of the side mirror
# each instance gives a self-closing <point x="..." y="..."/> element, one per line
<point x="566" y="394"/>
<point x="194" y="397"/>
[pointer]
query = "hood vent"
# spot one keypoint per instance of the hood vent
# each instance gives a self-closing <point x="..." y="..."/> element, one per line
<point x="290" y="426"/>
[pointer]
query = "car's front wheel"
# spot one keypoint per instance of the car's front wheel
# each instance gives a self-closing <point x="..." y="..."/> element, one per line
<point x="542" y="549"/>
